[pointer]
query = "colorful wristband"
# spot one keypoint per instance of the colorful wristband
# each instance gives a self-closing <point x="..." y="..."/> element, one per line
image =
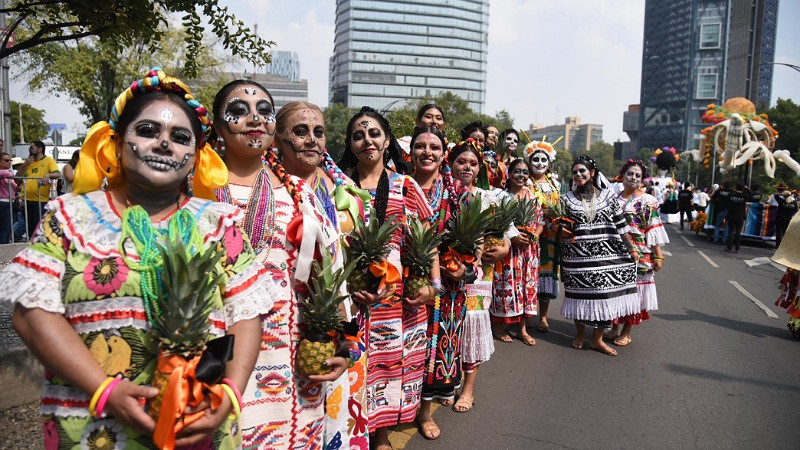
<point x="237" y="410"/>
<point x="96" y="396"/>
<point x="101" y="404"/>
<point x="235" y="390"/>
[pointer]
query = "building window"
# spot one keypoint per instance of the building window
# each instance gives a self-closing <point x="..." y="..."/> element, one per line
<point x="710" y="35"/>
<point x="707" y="86"/>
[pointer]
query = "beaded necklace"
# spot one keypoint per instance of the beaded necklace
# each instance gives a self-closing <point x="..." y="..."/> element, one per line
<point x="259" y="211"/>
<point x="137" y="227"/>
<point x="437" y="197"/>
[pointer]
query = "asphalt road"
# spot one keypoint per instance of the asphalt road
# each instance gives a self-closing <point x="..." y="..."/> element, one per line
<point x="710" y="369"/>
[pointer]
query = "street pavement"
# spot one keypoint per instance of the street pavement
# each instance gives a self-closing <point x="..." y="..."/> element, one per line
<point x="710" y="369"/>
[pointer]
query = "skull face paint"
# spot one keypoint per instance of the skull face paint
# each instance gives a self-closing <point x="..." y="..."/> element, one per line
<point x="369" y="143"/>
<point x="303" y="141"/>
<point x="511" y="142"/>
<point x="248" y="120"/>
<point x="633" y="177"/>
<point x="540" y="163"/>
<point x="166" y="115"/>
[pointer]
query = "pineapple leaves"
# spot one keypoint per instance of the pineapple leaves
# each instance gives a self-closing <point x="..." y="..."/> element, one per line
<point x="321" y="307"/>
<point x="467" y="229"/>
<point x="419" y="246"/>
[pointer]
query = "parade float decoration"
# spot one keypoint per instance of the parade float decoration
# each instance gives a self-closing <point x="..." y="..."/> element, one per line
<point x="665" y="159"/>
<point x="738" y="135"/>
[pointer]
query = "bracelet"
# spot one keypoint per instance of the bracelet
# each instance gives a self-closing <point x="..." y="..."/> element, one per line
<point x="436" y="281"/>
<point x="101" y="404"/>
<point x="97" y="394"/>
<point x="633" y="250"/>
<point x="237" y="410"/>
<point x="235" y="389"/>
<point x="438" y="287"/>
<point x="658" y="258"/>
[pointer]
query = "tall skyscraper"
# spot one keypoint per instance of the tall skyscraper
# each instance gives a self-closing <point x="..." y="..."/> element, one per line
<point x="698" y="52"/>
<point x="386" y="52"/>
<point x="285" y="64"/>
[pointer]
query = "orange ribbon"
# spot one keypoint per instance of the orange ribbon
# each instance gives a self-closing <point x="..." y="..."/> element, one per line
<point x="449" y="259"/>
<point x="183" y="390"/>
<point x="386" y="272"/>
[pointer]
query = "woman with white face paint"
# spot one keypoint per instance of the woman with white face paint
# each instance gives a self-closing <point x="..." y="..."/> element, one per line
<point x="271" y="199"/>
<point x="599" y="258"/>
<point x="547" y="191"/>
<point x="507" y="145"/>
<point x="648" y="235"/>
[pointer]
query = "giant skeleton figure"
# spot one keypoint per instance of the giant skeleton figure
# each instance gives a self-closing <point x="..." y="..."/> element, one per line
<point x="739" y="134"/>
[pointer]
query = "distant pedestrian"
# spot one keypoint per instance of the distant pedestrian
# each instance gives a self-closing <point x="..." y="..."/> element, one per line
<point x="685" y="203"/>
<point x="701" y="199"/>
<point x="737" y="206"/>
<point x="787" y="208"/>
<point x="720" y="199"/>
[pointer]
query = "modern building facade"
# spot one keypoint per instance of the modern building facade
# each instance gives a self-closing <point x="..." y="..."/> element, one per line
<point x="285" y="64"/>
<point x="698" y="52"/>
<point x="574" y="135"/>
<point x="387" y="52"/>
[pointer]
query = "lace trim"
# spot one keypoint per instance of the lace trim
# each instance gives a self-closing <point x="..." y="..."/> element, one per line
<point x="252" y="293"/>
<point x="107" y="314"/>
<point x="478" y="344"/>
<point x="604" y="309"/>
<point x="657" y="235"/>
<point x="63" y="401"/>
<point x="646" y="288"/>
<point x="33" y="280"/>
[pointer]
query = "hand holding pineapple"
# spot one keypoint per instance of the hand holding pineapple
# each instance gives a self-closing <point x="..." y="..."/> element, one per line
<point x="497" y="253"/>
<point x="456" y="275"/>
<point x="123" y="404"/>
<point x="368" y="248"/>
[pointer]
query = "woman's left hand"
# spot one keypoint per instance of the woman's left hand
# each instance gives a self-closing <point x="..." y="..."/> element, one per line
<point x="634" y="256"/>
<point x="495" y="254"/>
<point x="423" y="296"/>
<point x="337" y="365"/>
<point x="200" y="429"/>
<point x="657" y="265"/>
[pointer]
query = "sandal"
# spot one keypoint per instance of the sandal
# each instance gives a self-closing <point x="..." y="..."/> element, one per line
<point x="543" y="327"/>
<point x="428" y="429"/>
<point x="445" y="401"/>
<point x="465" y="403"/>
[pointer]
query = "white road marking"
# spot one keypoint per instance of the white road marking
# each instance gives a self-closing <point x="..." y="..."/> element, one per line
<point x="686" y="240"/>
<point x="713" y="264"/>
<point x="753" y="299"/>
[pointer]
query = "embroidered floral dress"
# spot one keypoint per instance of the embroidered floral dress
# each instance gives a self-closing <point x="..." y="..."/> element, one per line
<point x="397" y="332"/>
<point x="641" y="213"/>
<point x="515" y="288"/>
<point x="445" y="316"/>
<point x="75" y="267"/>
<point x="547" y="193"/>
<point x="282" y="409"/>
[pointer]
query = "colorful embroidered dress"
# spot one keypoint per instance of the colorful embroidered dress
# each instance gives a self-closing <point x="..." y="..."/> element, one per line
<point x="599" y="275"/>
<point x="641" y="213"/>
<point x="282" y="409"/>
<point x="397" y="332"/>
<point x="515" y="289"/>
<point x="548" y="193"/>
<point x="790" y="299"/>
<point x="75" y="267"/>
<point x="445" y="316"/>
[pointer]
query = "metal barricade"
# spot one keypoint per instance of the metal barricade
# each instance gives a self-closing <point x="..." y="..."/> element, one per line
<point x="21" y="209"/>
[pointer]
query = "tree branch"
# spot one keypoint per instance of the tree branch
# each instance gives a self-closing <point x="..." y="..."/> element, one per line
<point x="24" y="7"/>
<point x="5" y="52"/>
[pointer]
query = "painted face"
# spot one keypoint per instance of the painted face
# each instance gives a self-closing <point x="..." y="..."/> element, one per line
<point x="581" y="174"/>
<point x="303" y="142"/>
<point x="368" y="139"/>
<point x="512" y="140"/>
<point x="539" y="163"/>
<point x="465" y="167"/>
<point x="427" y="153"/>
<point x="248" y="120"/>
<point x="633" y="177"/>
<point x="491" y="162"/>
<point x="158" y="147"/>
<point x="479" y="137"/>
<point x="491" y="136"/>
<point x="518" y="176"/>
<point x="432" y="118"/>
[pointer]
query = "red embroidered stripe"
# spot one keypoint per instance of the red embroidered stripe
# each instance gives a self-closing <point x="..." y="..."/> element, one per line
<point x="246" y="285"/>
<point x="108" y="315"/>
<point x="48" y="401"/>
<point x="32" y="265"/>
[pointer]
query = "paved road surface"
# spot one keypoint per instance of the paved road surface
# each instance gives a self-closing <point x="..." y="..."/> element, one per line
<point x="710" y="369"/>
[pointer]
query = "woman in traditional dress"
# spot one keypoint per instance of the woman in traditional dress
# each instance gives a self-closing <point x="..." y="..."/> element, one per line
<point x="446" y="313"/>
<point x="648" y="234"/>
<point x="599" y="258"/>
<point x="477" y="347"/>
<point x="86" y="288"/>
<point x="282" y="408"/>
<point x="300" y="138"/>
<point x="788" y="255"/>
<point x="547" y="191"/>
<point x="397" y="325"/>
<point x="515" y="298"/>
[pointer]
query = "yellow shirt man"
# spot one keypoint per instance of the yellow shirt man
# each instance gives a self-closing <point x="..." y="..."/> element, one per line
<point x="37" y="169"/>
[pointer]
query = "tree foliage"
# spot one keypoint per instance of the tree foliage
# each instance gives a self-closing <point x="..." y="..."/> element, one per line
<point x="33" y="123"/>
<point x="336" y="117"/>
<point x="91" y="73"/>
<point x="603" y="155"/>
<point x="38" y="22"/>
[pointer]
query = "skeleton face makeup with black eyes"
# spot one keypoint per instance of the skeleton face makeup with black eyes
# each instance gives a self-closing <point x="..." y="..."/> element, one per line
<point x="633" y="177"/>
<point x="540" y="163"/>
<point x="368" y="140"/>
<point x="512" y="140"/>
<point x="248" y="120"/>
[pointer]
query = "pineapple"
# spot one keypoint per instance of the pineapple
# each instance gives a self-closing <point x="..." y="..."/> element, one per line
<point x="557" y="212"/>
<point x="466" y="231"/>
<point x="182" y="327"/>
<point x="525" y="215"/>
<point x="417" y="256"/>
<point x="368" y="244"/>
<point x="321" y="314"/>
<point x="502" y="217"/>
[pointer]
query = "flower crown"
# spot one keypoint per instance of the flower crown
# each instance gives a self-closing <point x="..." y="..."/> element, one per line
<point x="638" y="162"/>
<point x="540" y="146"/>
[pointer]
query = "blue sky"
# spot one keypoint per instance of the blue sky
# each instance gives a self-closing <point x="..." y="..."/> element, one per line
<point x="547" y="60"/>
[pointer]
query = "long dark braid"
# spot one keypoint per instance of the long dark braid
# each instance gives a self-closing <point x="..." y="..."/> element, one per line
<point x="381" y="194"/>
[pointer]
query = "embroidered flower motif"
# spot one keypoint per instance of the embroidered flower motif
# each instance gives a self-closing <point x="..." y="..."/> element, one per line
<point x="104" y="435"/>
<point x="104" y="276"/>
<point x="356" y="376"/>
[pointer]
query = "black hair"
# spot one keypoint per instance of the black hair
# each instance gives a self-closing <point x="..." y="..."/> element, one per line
<point x="472" y="127"/>
<point x="138" y="102"/>
<point x="431" y="130"/>
<point x="460" y="148"/>
<point x="590" y="164"/>
<point x="515" y="163"/>
<point x="38" y="144"/>
<point x="425" y="108"/>
<point x="73" y="161"/>
<point x="223" y="93"/>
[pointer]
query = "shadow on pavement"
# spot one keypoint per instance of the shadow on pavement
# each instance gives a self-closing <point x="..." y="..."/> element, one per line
<point x="720" y="376"/>
<point x="753" y="329"/>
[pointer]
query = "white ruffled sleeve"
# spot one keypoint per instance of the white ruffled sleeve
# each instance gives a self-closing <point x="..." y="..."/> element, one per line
<point x="249" y="294"/>
<point x="33" y="280"/>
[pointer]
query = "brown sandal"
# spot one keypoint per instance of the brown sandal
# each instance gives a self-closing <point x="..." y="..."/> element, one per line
<point x="464" y="402"/>
<point x="428" y="429"/>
